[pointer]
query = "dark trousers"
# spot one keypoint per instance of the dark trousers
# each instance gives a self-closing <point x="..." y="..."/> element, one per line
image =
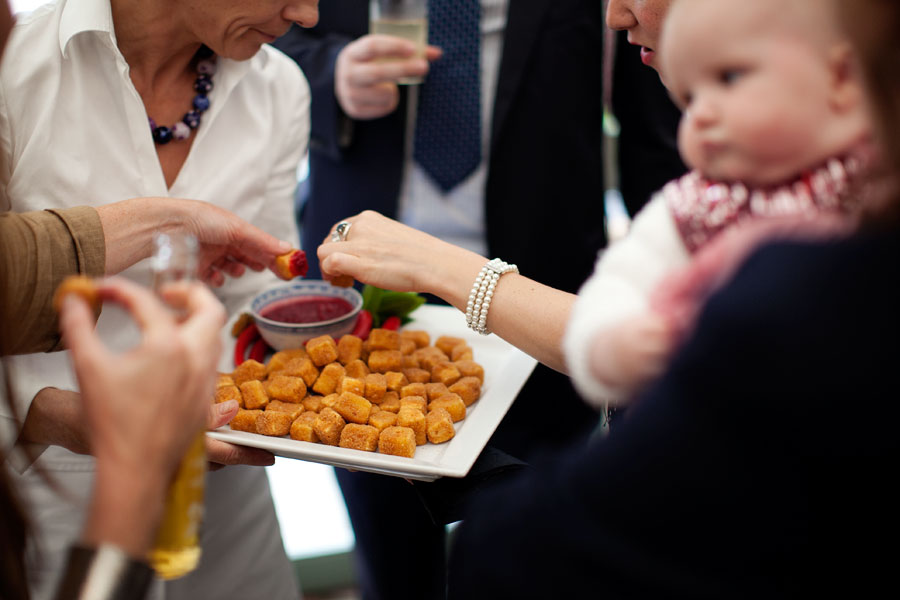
<point x="400" y="553"/>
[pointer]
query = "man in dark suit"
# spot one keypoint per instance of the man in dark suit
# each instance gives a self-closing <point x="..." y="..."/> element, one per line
<point x="542" y="202"/>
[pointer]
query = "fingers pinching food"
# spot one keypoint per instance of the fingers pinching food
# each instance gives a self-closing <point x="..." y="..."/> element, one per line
<point x="81" y="286"/>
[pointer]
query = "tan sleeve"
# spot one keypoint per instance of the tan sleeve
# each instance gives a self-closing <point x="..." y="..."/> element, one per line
<point x="37" y="250"/>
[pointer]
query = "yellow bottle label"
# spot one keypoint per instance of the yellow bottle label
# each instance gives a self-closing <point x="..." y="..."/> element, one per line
<point x="177" y="548"/>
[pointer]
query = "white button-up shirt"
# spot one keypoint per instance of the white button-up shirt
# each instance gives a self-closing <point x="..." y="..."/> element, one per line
<point x="73" y="131"/>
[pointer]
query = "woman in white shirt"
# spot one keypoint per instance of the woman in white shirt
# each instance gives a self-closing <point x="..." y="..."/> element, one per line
<point x="108" y="99"/>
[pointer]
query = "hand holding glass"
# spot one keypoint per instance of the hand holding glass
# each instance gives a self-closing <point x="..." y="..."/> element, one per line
<point x="407" y="19"/>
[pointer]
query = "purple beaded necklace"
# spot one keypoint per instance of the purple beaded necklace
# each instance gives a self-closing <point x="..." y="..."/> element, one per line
<point x="206" y="68"/>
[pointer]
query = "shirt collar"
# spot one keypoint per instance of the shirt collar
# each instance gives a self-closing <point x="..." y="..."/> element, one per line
<point x="83" y="16"/>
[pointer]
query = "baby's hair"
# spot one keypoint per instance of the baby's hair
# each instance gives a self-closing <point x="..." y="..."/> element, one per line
<point x="874" y="29"/>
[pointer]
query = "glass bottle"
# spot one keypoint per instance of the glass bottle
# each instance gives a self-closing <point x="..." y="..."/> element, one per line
<point x="176" y="551"/>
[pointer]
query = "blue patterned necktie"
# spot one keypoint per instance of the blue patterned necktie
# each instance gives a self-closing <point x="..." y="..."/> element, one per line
<point x="448" y="121"/>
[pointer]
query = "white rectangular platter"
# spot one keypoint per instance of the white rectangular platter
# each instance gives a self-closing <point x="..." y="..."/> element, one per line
<point x="505" y="371"/>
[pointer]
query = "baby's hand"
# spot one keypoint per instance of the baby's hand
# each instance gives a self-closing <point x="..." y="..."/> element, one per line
<point x="629" y="355"/>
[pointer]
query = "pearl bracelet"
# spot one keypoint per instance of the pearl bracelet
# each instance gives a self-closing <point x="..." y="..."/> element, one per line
<point x="483" y="291"/>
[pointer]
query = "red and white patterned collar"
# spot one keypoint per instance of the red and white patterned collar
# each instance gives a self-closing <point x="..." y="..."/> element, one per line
<point x="703" y="208"/>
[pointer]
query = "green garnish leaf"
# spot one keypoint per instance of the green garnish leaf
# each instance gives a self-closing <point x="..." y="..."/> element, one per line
<point x="385" y="303"/>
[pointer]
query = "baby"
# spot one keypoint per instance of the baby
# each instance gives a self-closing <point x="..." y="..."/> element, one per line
<point x="774" y="125"/>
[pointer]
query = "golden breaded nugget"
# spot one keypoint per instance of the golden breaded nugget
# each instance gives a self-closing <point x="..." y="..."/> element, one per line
<point x="376" y="386"/>
<point x="353" y="407"/>
<point x="412" y="389"/>
<point x="384" y="339"/>
<point x="380" y="419"/>
<point x="446" y="343"/>
<point x="470" y="368"/>
<point x="417" y="375"/>
<point x="382" y="361"/>
<point x="468" y="388"/>
<point x="366" y="350"/>
<point x="245" y="420"/>
<point x="397" y="441"/>
<point x="410" y="361"/>
<point x="302" y="367"/>
<point x="429" y="357"/>
<point x="349" y="348"/>
<point x="417" y="402"/>
<point x="390" y="402"/>
<point x="359" y="437"/>
<point x="313" y="403"/>
<point x="329" y="401"/>
<point x="302" y="428"/>
<point x="407" y="346"/>
<point x="291" y="408"/>
<point x="349" y="384"/>
<point x="446" y="373"/>
<point x="328" y="379"/>
<point x="357" y="369"/>
<point x="420" y="338"/>
<point x="343" y="281"/>
<point x="435" y="390"/>
<point x="247" y="371"/>
<point x="415" y="420"/>
<point x="80" y="286"/>
<point x="289" y="389"/>
<point x="453" y="404"/>
<point x="439" y="426"/>
<point x="461" y="352"/>
<point x="274" y="423"/>
<point x="224" y="380"/>
<point x="395" y="381"/>
<point x="322" y="350"/>
<point x="254" y="394"/>
<point x="328" y="426"/>
<point x="229" y="392"/>
<point x="281" y="358"/>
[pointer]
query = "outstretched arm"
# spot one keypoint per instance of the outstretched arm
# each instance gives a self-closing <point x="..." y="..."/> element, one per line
<point x="383" y="252"/>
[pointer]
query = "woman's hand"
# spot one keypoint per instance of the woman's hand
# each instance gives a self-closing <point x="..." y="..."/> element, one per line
<point x="365" y="84"/>
<point x="390" y="255"/>
<point x="145" y="406"/>
<point x="228" y="244"/>
<point x="222" y="454"/>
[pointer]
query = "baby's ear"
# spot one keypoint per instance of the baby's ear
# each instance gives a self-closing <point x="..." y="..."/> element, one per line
<point x="846" y="78"/>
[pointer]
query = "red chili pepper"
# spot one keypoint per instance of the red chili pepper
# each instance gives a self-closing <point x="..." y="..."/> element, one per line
<point x="363" y="324"/>
<point x="258" y="351"/>
<point x="246" y="337"/>
<point x="393" y="323"/>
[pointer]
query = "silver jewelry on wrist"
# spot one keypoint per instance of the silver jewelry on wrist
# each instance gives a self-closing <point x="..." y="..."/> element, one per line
<point x="482" y="293"/>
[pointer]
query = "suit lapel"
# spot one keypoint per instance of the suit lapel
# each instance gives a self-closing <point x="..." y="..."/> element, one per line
<point x="523" y="23"/>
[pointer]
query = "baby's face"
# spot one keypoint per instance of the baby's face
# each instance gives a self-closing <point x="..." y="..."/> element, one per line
<point x="754" y="96"/>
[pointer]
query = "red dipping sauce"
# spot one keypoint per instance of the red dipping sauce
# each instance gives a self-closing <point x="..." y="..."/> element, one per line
<point x="306" y="309"/>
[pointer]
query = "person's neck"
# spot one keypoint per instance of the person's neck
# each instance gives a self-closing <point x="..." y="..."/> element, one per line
<point x="153" y="40"/>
